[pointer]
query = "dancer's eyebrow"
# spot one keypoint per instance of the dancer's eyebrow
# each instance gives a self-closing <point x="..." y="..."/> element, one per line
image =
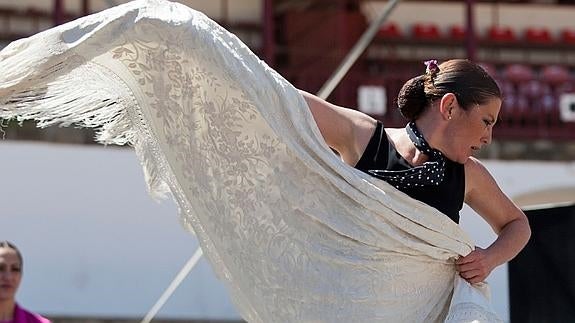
<point x="493" y="119"/>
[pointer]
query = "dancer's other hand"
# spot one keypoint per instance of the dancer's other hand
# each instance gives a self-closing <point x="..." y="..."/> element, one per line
<point x="476" y="266"/>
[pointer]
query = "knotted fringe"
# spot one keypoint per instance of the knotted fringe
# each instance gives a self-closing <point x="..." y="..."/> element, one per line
<point x="471" y="304"/>
<point x="81" y="94"/>
<point x="470" y="313"/>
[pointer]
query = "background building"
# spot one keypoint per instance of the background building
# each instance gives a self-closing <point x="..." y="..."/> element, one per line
<point x="96" y="246"/>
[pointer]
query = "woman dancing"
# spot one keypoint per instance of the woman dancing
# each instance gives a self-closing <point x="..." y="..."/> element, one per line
<point x="451" y="110"/>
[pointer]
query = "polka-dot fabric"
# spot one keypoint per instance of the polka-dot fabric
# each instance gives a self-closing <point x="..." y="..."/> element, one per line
<point x="431" y="173"/>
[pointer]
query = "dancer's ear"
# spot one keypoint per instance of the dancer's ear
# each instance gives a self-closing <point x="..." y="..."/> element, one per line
<point x="447" y="105"/>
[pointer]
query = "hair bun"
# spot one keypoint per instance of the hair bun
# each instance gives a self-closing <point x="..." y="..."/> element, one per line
<point x="412" y="100"/>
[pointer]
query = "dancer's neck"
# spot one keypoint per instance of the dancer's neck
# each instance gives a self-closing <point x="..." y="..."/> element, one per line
<point x="7" y="309"/>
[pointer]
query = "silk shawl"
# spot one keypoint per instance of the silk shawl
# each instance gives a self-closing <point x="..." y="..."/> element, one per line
<point x="296" y="235"/>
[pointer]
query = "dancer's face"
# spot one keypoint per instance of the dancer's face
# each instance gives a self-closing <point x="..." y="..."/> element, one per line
<point x="470" y="130"/>
<point x="10" y="273"/>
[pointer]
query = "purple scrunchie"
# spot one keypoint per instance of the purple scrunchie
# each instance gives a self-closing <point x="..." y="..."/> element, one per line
<point x="432" y="66"/>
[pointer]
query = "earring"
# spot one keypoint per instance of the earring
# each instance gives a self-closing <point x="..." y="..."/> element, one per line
<point x="449" y="117"/>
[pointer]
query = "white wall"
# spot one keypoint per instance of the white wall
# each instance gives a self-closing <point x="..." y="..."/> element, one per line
<point x="94" y="243"/>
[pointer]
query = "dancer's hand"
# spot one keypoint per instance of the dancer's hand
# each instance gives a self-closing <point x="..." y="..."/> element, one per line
<point x="476" y="266"/>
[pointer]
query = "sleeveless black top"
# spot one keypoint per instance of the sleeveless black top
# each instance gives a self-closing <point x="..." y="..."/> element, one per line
<point x="447" y="197"/>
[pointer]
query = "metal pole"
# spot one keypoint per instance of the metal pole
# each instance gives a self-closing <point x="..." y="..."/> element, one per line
<point x="225" y="13"/>
<point x="57" y="14"/>
<point x="85" y="7"/>
<point x="356" y="51"/>
<point x="175" y="283"/>
<point x="471" y="43"/>
<point x="111" y="3"/>
<point x="269" y="29"/>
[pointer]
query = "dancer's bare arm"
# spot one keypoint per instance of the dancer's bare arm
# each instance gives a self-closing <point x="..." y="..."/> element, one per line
<point x="345" y="130"/>
<point x="507" y="220"/>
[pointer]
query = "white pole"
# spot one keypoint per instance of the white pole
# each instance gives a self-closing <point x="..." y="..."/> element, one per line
<point x="175" y="283"/>
<point x="354" y="53"/>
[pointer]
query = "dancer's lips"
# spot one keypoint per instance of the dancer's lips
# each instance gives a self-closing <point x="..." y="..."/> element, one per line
<point x="474" y="150"/>
<point x="6" y="286"/>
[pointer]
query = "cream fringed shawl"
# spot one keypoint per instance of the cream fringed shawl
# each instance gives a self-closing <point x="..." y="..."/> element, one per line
<point x="295" y="234"/>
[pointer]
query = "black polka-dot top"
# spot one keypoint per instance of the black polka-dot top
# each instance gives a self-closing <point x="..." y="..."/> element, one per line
<point x="447" y="197"/>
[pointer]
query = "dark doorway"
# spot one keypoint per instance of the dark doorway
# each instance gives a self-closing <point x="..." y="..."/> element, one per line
<point x="542" y="276"/>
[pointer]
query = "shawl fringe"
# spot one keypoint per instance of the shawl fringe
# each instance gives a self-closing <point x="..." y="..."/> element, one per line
<point x="81" y="94"/>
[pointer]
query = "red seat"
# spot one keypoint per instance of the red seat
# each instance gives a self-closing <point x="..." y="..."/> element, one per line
<point x="425" y="31"/>
<point x="515" y="104"/>
<point x="501" y="34"/>
<point x="547" y="102"/>
<point x="538" y="35"/>
<point x="568" y="36"/>
<point x="389" y="30"/>
<point x="534" y="89"/>
<point x="457" y="32"/>
<point x="555" y="74"/>
<point x="567" y="87"/>
<point x="518" y="73"/>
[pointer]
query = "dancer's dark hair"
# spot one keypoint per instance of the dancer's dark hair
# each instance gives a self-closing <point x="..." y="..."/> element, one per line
<point x="469" y="82"/>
